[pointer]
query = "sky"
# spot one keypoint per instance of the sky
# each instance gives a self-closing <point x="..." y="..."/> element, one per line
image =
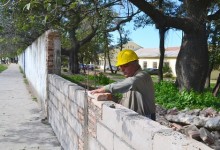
<point x="148" y="37"/>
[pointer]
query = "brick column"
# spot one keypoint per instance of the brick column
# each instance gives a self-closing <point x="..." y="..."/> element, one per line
<point x="53" y="48"/>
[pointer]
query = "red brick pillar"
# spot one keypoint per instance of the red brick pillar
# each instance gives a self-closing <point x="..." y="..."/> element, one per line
<point x="53" y="46"/>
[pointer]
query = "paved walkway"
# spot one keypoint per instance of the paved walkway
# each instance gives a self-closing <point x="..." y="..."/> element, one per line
<point x="20" y="116"/>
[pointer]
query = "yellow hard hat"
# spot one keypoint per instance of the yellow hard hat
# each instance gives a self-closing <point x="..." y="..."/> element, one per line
<point x="125" y="56"/>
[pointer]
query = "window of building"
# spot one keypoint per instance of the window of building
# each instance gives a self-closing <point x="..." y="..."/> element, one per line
<point x="144" y="64"/>
<point x="154" y="64"/>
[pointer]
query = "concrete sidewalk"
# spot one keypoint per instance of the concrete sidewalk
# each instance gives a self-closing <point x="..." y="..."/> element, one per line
<point x="20" y="116"/>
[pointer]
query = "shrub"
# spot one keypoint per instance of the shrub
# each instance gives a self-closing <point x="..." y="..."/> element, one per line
<point x="99" y="79"/>
<point x="168" y="96"/>
<point x="74" y="78"/>
<point x="167" y="68"/>
<point x="65" y="70"/>
<point x="168" y="75"/>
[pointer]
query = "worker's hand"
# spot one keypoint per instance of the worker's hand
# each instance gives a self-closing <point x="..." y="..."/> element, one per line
<point x="100" y="90"/>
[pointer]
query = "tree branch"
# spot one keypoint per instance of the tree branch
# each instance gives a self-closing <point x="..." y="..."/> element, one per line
<point x="121" y="22"/>
<point x="160" y="19"/>
<point x="89" y="37"/>
<point x="215" y="16"/>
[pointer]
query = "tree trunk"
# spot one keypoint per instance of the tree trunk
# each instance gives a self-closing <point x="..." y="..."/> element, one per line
<point x="211" y="58"/>
<point x="210" y="68"/>
<point x="192" y="61"/>
<point x="207" y="81"/>
<point x="73" y="60"/>
<point x="217" y="86"/>
<point x="105" y="60"/>
<point x="162" y="32"/>
<point x="83" y="66"/>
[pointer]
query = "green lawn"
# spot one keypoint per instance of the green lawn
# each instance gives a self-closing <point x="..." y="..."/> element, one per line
<point x="3" y="67"/>
<point x="166" y="93"/>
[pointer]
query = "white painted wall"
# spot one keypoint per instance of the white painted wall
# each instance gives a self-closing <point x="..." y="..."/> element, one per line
<point x="214" y="74"/>
<point x="150" y="61"/>
<point x="35" y="61"/>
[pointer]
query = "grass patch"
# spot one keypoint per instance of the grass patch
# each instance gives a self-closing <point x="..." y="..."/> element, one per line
<point x="34" y="99"/>
<point x="166" y="94"/>
<point x="114" y="76"/>
<point x="3" y="67"/>
<point x="21" y="71"/>
<point x="26" y="81"/>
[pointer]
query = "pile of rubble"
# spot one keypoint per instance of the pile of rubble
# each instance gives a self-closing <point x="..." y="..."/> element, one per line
<point x="202" y="125"/>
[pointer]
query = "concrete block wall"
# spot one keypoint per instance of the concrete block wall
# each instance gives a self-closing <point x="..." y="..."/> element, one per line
<point x="82" y="122"/>
<point x="67" y="108"/>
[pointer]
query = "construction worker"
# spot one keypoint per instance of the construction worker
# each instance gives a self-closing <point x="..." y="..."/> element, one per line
<point x="137" y="87"/>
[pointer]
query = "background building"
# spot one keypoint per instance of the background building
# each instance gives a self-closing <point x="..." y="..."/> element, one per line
<point x="149" y="57"/>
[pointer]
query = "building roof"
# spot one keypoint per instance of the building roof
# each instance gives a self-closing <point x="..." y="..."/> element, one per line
<point x="129" y="45"/>
<point x="154" y="52"/>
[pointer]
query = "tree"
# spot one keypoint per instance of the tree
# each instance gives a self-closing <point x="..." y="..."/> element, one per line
<point x="192" y="60"/>
<point x="162" y="31"/>
<point x="168" y="8"/>
<point x="18" y="29"/>
<point x="79" y="21"/>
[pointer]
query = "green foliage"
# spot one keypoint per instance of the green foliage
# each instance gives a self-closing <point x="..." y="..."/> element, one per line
<point x="88" y="52"/>
<point x="168" y="96"/>
<point x="34" y="99"/>
<point x="101" y="79"/>
<point x="166" y="68"/>
<point x="167" y="71"/>
<point x="166" y="93"/>
<point x="65" y="70"/>
<point x="167" y="75"/>
<point x="64" y="61"/>
<point x="92" y="80"/>
<point x="75" y="78"/>
<point x="117" y="97"/>
<point x="3" y="67"/>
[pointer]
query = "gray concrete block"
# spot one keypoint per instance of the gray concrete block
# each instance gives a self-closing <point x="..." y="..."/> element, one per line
<point x="119" y="144"/>
<point x="66" y="86"/>
<point x="93" y="144"/>
<point x="75" y="124"/>
<point x="81" y="98"/>
<point x="72" y="92"/>
<point x="53" y="100"/>
<point x="73" y="109"/>
<point x="105" y="136"/>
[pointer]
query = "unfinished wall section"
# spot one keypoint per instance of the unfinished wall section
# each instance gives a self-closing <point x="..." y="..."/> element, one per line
<point x="82" y="122"/>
